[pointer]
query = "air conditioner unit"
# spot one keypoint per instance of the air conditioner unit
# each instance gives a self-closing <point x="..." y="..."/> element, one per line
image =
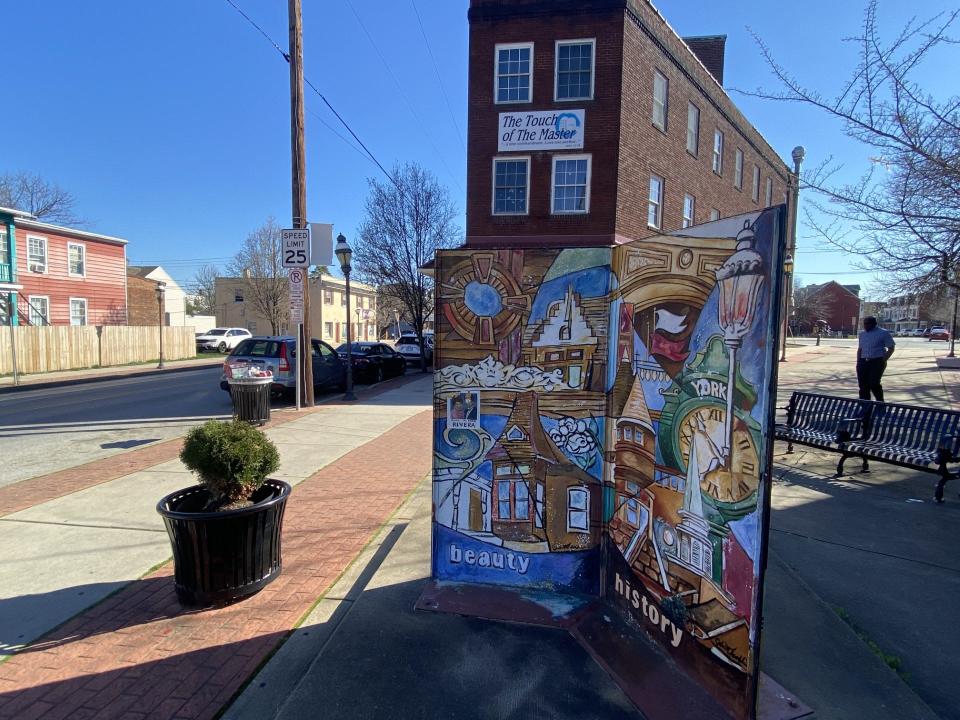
<point x="37" y="267"/>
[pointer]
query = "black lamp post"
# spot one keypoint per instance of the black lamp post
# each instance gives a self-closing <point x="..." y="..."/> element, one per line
<point x="787" y="295"/>
<point x="344" y="254"/>
<point x="949" y="276"/>
<point x="161" y="291"/>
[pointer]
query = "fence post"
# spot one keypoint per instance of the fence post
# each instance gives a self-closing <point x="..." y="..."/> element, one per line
<point x="99" y="346"/>
<point x="13" y="340"/>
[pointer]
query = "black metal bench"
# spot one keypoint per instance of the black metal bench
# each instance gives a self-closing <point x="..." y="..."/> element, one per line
<point x="920" y="438"/>
<point x="814" y="420"/>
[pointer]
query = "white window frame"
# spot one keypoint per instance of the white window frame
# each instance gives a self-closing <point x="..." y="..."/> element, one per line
<point x="768" y="194"/>
<point x="716" y="158"/>
<point x="738" y="170"/>
<point x="46" y="307"/>
<point x="755" y="195"/>
<point x="659" y="202"/>
<point x="493" y="185"/>
<point x="553" y="183"/>
<point x="86" y="311"/>
<point x="691" y="201"/>
<point x="496" y="72"/>
<point x="585" y="509"/>
<point x="46" y="254"/>
<point x="592" y="42"/>
<point x="4" y="246"/>
<point x="83" y="259"/>
<point x="665" y="103"/>
<point x="694" y="131"/>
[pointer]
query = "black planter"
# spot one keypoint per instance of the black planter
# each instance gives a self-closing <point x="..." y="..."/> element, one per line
<point x="220" y="557"/>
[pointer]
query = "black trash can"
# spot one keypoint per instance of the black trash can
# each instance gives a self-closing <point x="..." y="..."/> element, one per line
<point x="251" y="398"/>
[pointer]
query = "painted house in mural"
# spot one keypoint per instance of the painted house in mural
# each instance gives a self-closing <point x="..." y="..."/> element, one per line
<point x="58" y="275"/>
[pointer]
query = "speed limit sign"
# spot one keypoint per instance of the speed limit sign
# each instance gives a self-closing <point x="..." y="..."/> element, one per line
<point x="295" y="246"/>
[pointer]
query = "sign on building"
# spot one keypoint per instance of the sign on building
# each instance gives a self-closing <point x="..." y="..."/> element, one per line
<point x="295" y="244"/>
<point x="541" y="130"/>
<point x="296" y="279"/>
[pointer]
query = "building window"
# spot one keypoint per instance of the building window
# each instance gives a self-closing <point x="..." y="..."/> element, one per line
<point x="714" y="214"/>
<point x="238" y="295"/>
<point x="718" y="152"/>
<point x="738" y="170"/>
<point x="661" y="90"/>
<point x="78" y="311"/>
<point x="578" y="509"/>
<point x="4" y="248"/>
<point x="571" y="184"/>
<point x="575" y="378"/>
<point x="36" y="254"/>
<point x="39" y="310"/>
<point x="521" y="505"/>
<point x="511" y="186"/>
<point x="76" y="259"/>
<point x="327" y="297"/>
<point x="756" y="183"/>
<point x="513" y="499"/>
<point x="574" y="77"/>
<point x="538" y="507"/>
<point x="655" y="203"/>
<point x="328" y="327"/>
<point x="343" y="299"/>
<point x="633" y="513"/>
<point x="693" y="129"/>
<point x="769" y="192"/>
<point x="514" y="81"/>
<point x="689" y="205"/>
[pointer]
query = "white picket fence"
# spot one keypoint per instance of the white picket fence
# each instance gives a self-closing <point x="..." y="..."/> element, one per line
<point x="51" y="348"/>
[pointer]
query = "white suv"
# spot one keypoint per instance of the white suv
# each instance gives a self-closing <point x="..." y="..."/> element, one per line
<point x="221" y="339"/>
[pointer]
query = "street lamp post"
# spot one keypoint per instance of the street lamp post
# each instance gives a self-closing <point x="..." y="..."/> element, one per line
<point x="949" y="276"/>
<point x="161" y="291"/>
<point x="787" y="295"/>
<point x="344" y="255"/>
<point x="798" y="154"/>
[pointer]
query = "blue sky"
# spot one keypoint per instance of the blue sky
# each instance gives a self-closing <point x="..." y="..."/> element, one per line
<point x="169" y="121"/>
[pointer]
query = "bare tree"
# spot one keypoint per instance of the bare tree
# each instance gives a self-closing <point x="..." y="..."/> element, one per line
<point x="406" y="222"/>
<point x="41" y="198"/>
<point x="902" y="216"/>
<point x="810" y="306"/>
<point x="203" y="300"/>
<point x="260" y="263"/>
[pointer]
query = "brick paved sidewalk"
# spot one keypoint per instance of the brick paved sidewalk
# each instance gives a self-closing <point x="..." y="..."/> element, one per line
<point x="138" y="654"/>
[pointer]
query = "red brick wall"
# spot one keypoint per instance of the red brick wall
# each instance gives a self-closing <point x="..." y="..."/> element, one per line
<point x="142" y="306"/>
<point x="103" y="286"/>
<point x="842" y="307"/>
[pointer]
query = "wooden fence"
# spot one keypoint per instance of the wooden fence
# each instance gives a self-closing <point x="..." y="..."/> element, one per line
<point x="56" y="347"/>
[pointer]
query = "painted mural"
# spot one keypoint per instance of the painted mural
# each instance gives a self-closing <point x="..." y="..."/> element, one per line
<point x="602" y="426"/>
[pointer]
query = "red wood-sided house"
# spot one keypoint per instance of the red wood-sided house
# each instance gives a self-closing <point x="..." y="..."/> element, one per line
<point x="52" y="275"/>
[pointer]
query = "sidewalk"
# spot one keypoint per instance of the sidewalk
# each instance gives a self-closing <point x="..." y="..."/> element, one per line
<point x="85" y="375"/>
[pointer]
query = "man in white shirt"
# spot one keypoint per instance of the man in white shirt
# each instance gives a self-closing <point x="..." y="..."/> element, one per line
<point x="875" y="348"/>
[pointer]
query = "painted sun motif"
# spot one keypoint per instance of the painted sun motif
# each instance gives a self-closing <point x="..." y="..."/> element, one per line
<point x="482" y="300"/>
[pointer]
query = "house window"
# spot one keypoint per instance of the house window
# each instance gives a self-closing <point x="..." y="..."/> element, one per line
<point x="689" y="204"/>
<point x="36" y="254"/>
<point x="76" y="259"/>
<point x="693" y="129"/>
<point x="575" y="355"/>
<point x="576" y="376"/>
<point x="504" y="470"/>
<point x="714" y="214"/>
<point x="328" y="329"/>
<point x="514" y="81"/>
<point x="738" y="169"/>
<point x="628" y="432"/>
<point x="343" y="299"/>
<point x="78" y="311"/>
<point x="327" y="297"/>
<point x="238" y="295"/>
<point x="515" y="433"/>
<point x="39" y="310"/>
<point x="655" y="202"/>
<point x="718" y="152"/>
<point x="511" y="186"/>
<point x="574" y="77"/>
<point x="555" y="356"/>
<point x="578" y="509"/>
<point x="571" y="184"/>
<point x="521" y="505"/>
<point x="538" y="507"/>
<point x="769" y="192"/>
<point x="631" y="487"/>
<point x="513" y="500"/>
<point x="633" y="513"/>
<point x="755" y="194"/>
<point x="660" y="98"/>
<point x="4" y="248"/>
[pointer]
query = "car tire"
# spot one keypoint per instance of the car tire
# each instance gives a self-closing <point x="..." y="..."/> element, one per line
<point x="403" y="369"/>
<point x="378" y="375"/>
<point x="222" y="347"/>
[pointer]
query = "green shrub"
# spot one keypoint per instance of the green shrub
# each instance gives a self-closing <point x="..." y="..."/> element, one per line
<point x="232" y="459"/>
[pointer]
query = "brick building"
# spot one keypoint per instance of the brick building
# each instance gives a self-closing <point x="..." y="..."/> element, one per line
<point x="142" y="304"/>
<point x="837" y="305"/>
<point x="592" y="122"/>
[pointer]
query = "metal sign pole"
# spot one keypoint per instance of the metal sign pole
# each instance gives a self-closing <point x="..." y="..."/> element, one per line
<point x="299" y="379"/>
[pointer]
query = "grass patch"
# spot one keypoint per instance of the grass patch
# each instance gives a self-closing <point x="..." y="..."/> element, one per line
<point x="894" y="662"/>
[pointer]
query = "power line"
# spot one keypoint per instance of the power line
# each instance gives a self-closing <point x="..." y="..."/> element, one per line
<point x="436" y="69"/>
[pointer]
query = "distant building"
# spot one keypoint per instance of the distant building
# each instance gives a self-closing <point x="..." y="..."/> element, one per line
<point x="53" y="275"/>
<point x="917" y="310"/>
<point x="328" y="309"/>
<point x="143" y="308"/>
<point x="174" y="298"/>
<point x="838" y="305"/>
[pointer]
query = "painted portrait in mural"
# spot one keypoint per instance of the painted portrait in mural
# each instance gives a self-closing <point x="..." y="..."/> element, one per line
<point x="601" y="430"/>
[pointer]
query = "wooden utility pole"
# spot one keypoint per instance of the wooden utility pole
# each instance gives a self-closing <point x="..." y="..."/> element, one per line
<point x="297" y="148"/>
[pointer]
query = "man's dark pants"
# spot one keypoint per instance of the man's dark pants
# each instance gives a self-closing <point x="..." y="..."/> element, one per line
<point x="869" y="374"/>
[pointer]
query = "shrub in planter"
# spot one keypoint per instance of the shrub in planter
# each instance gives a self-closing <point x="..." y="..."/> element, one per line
<point x="225" y="533"/>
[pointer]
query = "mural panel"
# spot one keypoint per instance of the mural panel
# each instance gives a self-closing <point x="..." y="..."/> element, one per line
<point x="603" y="427"/>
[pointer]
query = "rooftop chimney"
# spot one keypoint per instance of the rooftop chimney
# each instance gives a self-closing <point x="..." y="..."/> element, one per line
<point x="709" y="50"/>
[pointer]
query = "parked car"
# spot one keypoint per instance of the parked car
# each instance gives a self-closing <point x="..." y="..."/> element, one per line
<point x="278" y="354"/>
<point x="373" y="362"/>
<point x="938" y="333"/>
<point x="409" y="347"/>
<point x="221" y="339"/>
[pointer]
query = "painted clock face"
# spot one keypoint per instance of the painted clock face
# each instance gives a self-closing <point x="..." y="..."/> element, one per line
<point x="734" y="480"/>
<point x="482" y="300"/>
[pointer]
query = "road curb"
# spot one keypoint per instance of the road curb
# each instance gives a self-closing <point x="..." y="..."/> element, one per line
<point x="84" y="380"/>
